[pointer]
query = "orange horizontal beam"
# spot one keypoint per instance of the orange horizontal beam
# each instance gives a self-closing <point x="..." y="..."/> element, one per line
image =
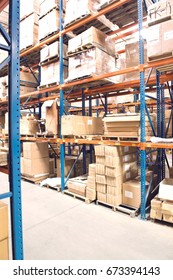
<point x="3" y="4"/>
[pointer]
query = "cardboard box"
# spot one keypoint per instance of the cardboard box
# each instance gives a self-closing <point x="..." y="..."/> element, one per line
<point x="32" y="150"/>
<point x="36" y="167"/>
<point x="156" y="204"/>
<point x="167" y="36"/>
<point x="168" y="218"/>
<point x="156" y="214"/>
<point x="4" y="251"/>
<point x="92" y="169"/>
<point x="114" y="200"/>
<point x="171" y="172"/>
<point x="90" y="194"/>
<point x="77" y="186"/>
<point x="91" y="62"/>
<point x="129" y="171"/>
<point x="3" y="220"/>
<point x="159" y="11"/>
<point x="101" y="179"/>
<point x="100" y="160"/>
<point x="68" y="165"/>
<point x="113" y="172"/>
<point x="99" y="150"/>
<point x="48" y="5"/>
<point x="92" y="37"/>
<point x="50" y="73"/>
<point x="28" y="125"/>
<point x="51" y="166"/>
<point x="167" y="208"/>
<point x="112" y="161"/>
<point x="85" y="125"/>
<point x="118" y="151"/>
<point x="3" y="158"/>
<point x="154" y="40"/>
<point x="102" y="197"/>
<point x="49" y="24"/>
<point x="91" y="182"/>
<point x="132" y="193"/>
<point x="166" y="189"/>
<point x="33" y="6"/>
<point x="100" y="169"/>
<point x="29" y="36"/>
<point x="52" y="51"/>
<point x="101" y="188"/>
<point x="52" y="117"/>
<point x="114" y="181"/>
<point x="114" y="190"/>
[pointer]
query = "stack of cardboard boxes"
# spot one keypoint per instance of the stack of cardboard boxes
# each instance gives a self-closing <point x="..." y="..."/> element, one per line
<point x="4" y="251"/>
<point x="91" y="182"/>
<point x="35" y="160"/>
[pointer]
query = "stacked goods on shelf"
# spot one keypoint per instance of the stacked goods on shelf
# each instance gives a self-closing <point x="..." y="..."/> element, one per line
<point x="3" y="158"/>
<point x="85" y="125"/>
<point x="3" y="87"/>
<point x="126" y="125"/>
<point x="77" y="9"/>
<point x="91" y="182"/>
<point x="28" y="125"/>
<point x="49" y="60"/>
<point x="114" y="165"/>
<point x="35" y="160"/>
<point x="4" y="251"/>
<point x="2" y="121"/>
<point x="91" y="53"/>
<point x="78" y="185"/>
<point x="50" y="110"/>
<point x="3" y="54"/>
<point x="48" y="5"/>
<point x="168" y="121"/>
<point x="29" y="17"/>
<point x="160" y="35"/>
<point x="162" y="205"/>
<point x="132" y="59"/>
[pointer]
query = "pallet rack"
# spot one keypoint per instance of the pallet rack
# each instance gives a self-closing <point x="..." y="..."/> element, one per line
<point x="81" y="94"/>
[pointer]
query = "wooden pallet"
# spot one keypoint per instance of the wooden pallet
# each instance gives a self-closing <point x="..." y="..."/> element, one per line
<point x="33" y="179"/>
<point x="87" y="200"/>
<point x="46" y="135"/>
<point x="88" y="84"/>
<point x="76" y="20"/>
<point x="49" y="85"/>
<point x="47" y="36"/>
<point x="26" y="48"/>
<point x="108" y="3"/>
<point x="124" y="138"/>
<point x="86" y="47"/>
<point x="159" y="57"/>
<point x="87" y="137"/>
<point x="57" y="188"/>
<point x="159" y="20"/>
<point x="121" y="208"/>
<point x="162" y="222"/>
<point x="49" y="60"/>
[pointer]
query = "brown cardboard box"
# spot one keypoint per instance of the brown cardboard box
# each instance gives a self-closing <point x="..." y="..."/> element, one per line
<point x="112" y="161"/>
<point x="113" y="172"/>
<point x="3" y="220"/>
<point x="100" y="169"/>
<point x="114" y="200"/>
<point x="85" y="125"/>
<point x="4" y="253"/>
<point x="101" y="179"/>
<point x="29" y="36"/>
<point x="33" y="150"/>
<point x="99" y="150"/>
<point x="92" y="169"/>
<point x="102" y="197"/>
<point x="159" y="11"/>
<point x="47" y="5"/>
<point x="49" y="23"/>
<point x="132" y="193"/>
<point x="167" y="36"/>
<point x="91" y="182"/>
<point x="156" y="204"/>
<point x="52" y="117"/>
<point x="129" y="171"/>
<point x="114" y="190"/>
<point x="3" y="158"/>
<point x="101" y="188"/>
<point x="171" y="172"/>
<point x="154" y="40"/>
<point x="168" y="218"/>
<point x="68" y="165"/>
<point x="114" y="181"/>
<point x="50" y="73"/>
<point x="77" y="186"/>
<point x="37" y="167"/>
<point x="51" y="166"/>
<point x="33" y="6"/>
<point x="92" y="37"/>
<point x="52" y="51"/>
<point x="100" y="159"/>
<point x="90" y="194"/>
<point x="167" y="208"/>
<point x="156" y="214"/>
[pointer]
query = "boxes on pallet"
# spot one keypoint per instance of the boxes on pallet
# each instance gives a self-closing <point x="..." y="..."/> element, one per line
<point x="159" y="11"/>
<point x="52" y="51"/>
<point x="114" y="200"/>
<point x="76" y="10"/>
<point x="156" y="203"/>
<point x="99" y="150"/>
<point x="33" y="6"/>
<point x="77" y="186"/>
<point x="160" y="39"/>
<point x="92" y="170"/>
<point x="48" y="5"/>
<point x="102" y="197"/>
<point x="166" y="189"/>
<point x="68" y="165"/>
<point x="167" y="208"/>
<point x="101" y="188"/>
<point x="100" y="169"/>
<point x="101" y="179"/>
<point x="114" y="190"/>
<point x="113" y="171"/>
<point x="129" y="171"/>
<point x="4" y="250"/>
<point x="33" y="150"/>
<point x="156" y="214"/>
<point x="171" y="172"/>
<point x="50" y="73"/>
<point x="91" y="182"/>
<point x="51" y="110"/>
<point x="114" y="181"/>
<point x="29" y="36"/>
<point x="49" y="24"/>
<point x="51" y="166"/>
<point x="35" y="168"/>
<point x="91" y="62"/>
<point x="3" y="158"/>
<point x="100" y="159"/>
<point x="89" y="38"/>
<point x="168" y="218"/>
<point x="90" y="194"/>
<point x="85" y="125"/>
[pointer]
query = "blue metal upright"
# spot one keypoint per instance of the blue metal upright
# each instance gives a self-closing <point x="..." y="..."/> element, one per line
<point x="142" y="111"/>
<point x="163" y="129"/>
<point x="158" y="121"/>
<point x="14" y="130"/>
<point x="84" y="146"/>
<point x="62" y="147"/>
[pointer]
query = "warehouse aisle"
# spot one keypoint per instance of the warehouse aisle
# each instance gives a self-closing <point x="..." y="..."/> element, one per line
<point x="57" y="226"/>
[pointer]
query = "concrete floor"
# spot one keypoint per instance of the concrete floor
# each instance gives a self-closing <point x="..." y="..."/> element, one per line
<point x="57" y="226"/>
